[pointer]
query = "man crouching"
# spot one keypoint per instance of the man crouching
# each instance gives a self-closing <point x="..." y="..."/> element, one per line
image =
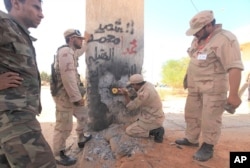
<point x="147" y="100"/>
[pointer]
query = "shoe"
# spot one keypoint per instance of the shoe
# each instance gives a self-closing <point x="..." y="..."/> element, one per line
<point x="83" y="138"/>
<point x="204" y="153"/>
<point x="158" y="134"/>
<point x="185" y="142"/>
<point x="65" y="160"/>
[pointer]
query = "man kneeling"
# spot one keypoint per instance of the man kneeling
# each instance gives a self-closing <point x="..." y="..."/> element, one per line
<point x="146" y="99"/>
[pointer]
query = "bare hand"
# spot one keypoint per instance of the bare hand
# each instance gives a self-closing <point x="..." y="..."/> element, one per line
<point x="123" y="91"/>
<point x="10" y="79"/>
<point x="80" y="102"/>
<point x="235" y="101"/>
<point x="86" y="36"/>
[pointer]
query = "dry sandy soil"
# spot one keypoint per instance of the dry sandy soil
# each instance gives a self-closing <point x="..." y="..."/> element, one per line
<point x="235" y="137"/>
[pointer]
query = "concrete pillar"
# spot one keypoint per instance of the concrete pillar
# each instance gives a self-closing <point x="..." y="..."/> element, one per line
<point x="115" y="52"/>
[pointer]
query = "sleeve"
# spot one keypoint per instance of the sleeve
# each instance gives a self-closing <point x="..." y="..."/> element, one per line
<point x="229" y="52"/>
<point x="138" y="101"/>
<point x="81" y="51"/>
<point x="68" y="73"/>
<point x="5" y="32"/>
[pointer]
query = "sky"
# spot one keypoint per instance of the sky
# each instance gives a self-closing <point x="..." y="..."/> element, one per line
<point x="165" y="24"/>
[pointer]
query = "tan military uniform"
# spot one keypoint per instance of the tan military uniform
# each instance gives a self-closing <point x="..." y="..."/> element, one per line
<point x="71" y="91"/>
<point x="21" y="140"/>
<point x="207" y="82"/>
<point x="151" y="114"/>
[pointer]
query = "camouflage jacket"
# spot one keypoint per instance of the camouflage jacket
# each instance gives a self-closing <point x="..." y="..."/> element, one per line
<point x="65" y="80"/>
<point x="150" y="105"/>
<point x="17" y="54"/>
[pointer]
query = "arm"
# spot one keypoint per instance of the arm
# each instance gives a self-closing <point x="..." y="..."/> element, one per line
<point x="69" y="74"/>
<point x="10" y="79"/>
<point x="81" y="51"/>
<point x="124" y="92"/>
<point x="234" y="83"/>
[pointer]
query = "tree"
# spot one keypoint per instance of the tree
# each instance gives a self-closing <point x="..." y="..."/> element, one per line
<point x="173" y="72"/>
<point x="45" y="76"/>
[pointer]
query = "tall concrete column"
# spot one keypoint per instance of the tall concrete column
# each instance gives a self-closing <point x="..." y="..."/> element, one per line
<point x="115" y="52"/>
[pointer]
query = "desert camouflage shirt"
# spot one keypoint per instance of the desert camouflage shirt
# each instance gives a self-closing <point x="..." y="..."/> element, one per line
<point x="150" y="105"/>
<point x="17" y="54"/>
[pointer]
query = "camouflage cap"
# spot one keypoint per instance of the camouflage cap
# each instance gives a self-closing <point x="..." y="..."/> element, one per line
<point x="72" y="33"/>
<point x="199" y="21"/>
<point x="136" y="78"/>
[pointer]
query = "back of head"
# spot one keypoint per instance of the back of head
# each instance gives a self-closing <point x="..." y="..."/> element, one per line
<point x="200" y="20"/>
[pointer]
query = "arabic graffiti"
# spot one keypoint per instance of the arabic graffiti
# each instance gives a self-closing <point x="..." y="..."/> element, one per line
<point x="110" y="44"/>
<point x="108" y="39"/>
<point x="131" y="50"/>
<point x="103" y="55"/>
<point x="116" y="27"/>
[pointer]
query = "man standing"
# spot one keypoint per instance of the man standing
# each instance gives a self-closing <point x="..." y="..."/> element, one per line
<point x="215" y="62"/>
<point x="146" y="98"/>
<point x="68" y="91"/>
<point x="9" y="80"/>
<point x="21" y="141"/>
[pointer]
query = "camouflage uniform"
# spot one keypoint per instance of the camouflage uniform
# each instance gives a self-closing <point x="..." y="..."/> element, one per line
<point x="207" y="82"/>
<point x="22" y="144"/>
<point x="151" y="114"/>
<point x="69" y="89"/>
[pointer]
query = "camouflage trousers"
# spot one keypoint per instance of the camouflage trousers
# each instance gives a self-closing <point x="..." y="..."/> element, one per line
<point x="64" y="123"/>
<point x="203" y="116"/>
<point x="22" y="144"/>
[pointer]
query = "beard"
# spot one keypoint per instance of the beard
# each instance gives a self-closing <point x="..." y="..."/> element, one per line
<point x="77" y="46"/>
<point x="204" y="35"/>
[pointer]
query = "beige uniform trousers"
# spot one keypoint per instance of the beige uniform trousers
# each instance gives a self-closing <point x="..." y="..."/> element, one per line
<point x="64" y="123"/>
<point x="142" y="129"/>
<point x="203" y="114"/>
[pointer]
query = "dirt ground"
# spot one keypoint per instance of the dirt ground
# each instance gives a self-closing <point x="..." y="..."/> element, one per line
<point x="235" y="137"/>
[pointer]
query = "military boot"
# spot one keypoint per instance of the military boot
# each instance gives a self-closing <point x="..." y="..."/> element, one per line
<point x="83" y="138"/>
<point x="65" y="160"/>
<point x="185" y="142"/>
<point x="204" y="153"/>
<point x="158" y="134"/>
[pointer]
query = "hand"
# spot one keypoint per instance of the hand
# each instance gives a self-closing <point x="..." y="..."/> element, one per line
<point x="86" y="36"/>
<point x="80" y="102"/>
<point x="235" y="101"/>
<point x="123" y="91"/>
<point x="10" y="79"/>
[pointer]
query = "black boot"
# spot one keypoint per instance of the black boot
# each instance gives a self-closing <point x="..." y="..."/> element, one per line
<point x="65" y="160"/>
<point x="204" y="153"/>
<point x="83" y="138"/>
<point x="158" y="134"/>
<point x="185" y="142"/>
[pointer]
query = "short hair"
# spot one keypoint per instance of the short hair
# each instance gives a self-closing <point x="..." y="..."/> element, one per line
<point x="67" y="40"/>
<point x="213" y="22"/>
<point x="8" y="4"/>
